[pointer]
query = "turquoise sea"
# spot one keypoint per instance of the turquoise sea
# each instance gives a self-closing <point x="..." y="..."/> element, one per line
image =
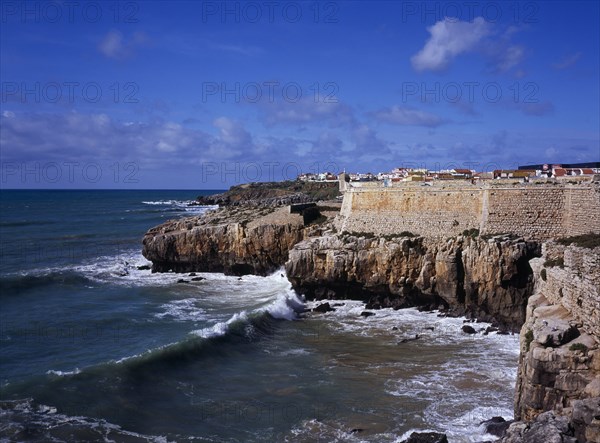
<point x="95" y="347"/>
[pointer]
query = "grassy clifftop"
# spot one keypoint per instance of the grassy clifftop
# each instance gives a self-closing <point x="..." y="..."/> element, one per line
<point x="273" y="193"/>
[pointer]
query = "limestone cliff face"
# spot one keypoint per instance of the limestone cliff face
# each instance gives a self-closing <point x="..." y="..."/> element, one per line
<point x="489" y="278"/>
<point x="559" y="367"/>
<point x="233" y="241"/>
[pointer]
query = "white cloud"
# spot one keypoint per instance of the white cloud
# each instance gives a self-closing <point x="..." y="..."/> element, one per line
<point x="449" y="38"/>
<point x="114" y="45"/>
<point x="408" y="117"/>
<point x="232" y="133"/>
<point x="308" y="109"/>
<point x="510" y="57"/>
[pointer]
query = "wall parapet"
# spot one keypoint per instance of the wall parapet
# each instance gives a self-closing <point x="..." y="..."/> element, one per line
<point x="533" y="210"/>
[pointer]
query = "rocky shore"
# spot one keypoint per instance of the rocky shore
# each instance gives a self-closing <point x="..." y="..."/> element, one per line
<point x="558" y="385"/>
<point x="485" y="279"/>
<point x="550" y="291"/>
<point x="241" y="236"/>
<point x="229" y="240"/>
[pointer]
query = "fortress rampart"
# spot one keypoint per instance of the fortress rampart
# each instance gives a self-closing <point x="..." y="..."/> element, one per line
<point x="536" y="210"/>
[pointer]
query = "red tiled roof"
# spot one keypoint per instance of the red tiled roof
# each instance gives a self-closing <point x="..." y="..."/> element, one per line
<point x="559" y="172"/>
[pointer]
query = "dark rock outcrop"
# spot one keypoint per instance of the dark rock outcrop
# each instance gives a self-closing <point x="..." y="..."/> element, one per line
<point x="272" y="194"/>
<point x="323" y="307"/>
<point x="469" y="329"/>
<point x="496" y="426"/>
<point x="426" y="437"/>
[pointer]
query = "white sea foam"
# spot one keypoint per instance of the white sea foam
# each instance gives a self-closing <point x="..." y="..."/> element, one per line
<point x="186" y="205"/>
<point x="63" y="373"/>
<point x="220" y="328"/>
<point x="459" y="388"/>
<point x="286" y="306"/>
<point x="182" y="310"/>
<point x="46" y="418"/>
<point x="272" y="294"/>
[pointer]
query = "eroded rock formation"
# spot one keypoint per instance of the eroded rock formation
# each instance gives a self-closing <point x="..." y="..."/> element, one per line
<point x="232" y="240"/>
<point x="490" y="279"/>
<point x="558" y="385"/>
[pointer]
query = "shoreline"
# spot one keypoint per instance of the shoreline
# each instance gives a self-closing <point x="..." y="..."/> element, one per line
<point x="464" y="275"/>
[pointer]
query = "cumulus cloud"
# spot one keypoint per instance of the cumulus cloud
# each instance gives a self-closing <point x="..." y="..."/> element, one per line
<point x="114" y="44"/>
<point x="509" y="57"/>
<point x="406" y="116"/>
<point x="158" y="145"/>
<point x="97" y="137"/>
<point x="366" y="140"/>
<point x="232" y="136"/>
<point x="307" y="110"/>
<point x="449" y="38"/>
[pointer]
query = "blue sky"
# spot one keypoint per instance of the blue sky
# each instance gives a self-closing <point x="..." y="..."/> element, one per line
<point x="203" y="95"/>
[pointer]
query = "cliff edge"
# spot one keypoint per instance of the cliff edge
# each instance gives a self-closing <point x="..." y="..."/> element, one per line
<point x="234" y="241"/>
<point x="489" y="279"/>
<point x="558" y="385"/>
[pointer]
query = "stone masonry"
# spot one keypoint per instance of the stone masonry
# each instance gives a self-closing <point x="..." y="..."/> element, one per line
<point x="537" y="210"/>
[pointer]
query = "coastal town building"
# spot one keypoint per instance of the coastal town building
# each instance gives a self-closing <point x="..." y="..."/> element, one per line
<point x="522" y="173"/>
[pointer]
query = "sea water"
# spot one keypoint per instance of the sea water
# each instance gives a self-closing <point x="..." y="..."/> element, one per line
<point x="93" y="348"/>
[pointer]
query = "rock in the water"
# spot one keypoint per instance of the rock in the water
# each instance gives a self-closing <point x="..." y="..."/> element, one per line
<point x="144" y="268"/>
<point x="547" y="428"/>
<point x="367" y="314"/>
<point x="468" y="329"/>
<point x="496" y="426"/>
<point x="426" y="437"/>
<point x="323" y="307"/>
<point x="406" y="340"/>
<point x="181" y="280"/>
<point x="198" y="279"/>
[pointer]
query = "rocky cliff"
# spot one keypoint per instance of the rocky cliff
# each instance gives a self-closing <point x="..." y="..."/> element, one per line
<point x="272" y="194"/>
<point x="235" y="241"/>
<point x="558" y="386"/>
<point x="488" y="278"/>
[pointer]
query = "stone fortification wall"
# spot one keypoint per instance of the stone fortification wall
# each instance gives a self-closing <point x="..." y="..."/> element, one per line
<point x="534" y="210"/>
<point x="583" y="209"/>
<point x="572" y="279"/>
<point x="434" y="212"/>
<point x="559" y="364"/>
